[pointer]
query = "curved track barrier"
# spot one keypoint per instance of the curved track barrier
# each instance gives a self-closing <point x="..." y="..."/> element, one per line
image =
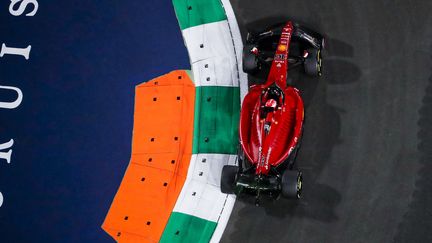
<point x="202" y="211"/>
<point x="185" y="131"/>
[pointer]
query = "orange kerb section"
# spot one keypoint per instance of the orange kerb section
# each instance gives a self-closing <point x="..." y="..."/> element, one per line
<point x="161" y="152"/>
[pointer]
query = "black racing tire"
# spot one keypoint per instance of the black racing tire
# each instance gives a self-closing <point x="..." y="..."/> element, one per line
<point x="229" y="174"/>
<point x="250" y="61"/>
<point x="292" y="184"/>
<point x="313" y="63"/>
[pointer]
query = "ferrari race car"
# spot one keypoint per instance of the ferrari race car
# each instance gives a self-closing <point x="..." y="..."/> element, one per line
<point x="272" y="114"/>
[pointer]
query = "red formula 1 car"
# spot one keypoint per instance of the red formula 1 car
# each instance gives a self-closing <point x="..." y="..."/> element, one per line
<point x="272" y="114"/>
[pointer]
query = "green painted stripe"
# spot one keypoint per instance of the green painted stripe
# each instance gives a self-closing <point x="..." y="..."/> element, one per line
<point x="217" y="111"/>
<point x="192" y="13"/>
<point x="186" y="228"/>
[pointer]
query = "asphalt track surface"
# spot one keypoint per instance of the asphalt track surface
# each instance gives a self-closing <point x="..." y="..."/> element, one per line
<point x="367" y="146"/>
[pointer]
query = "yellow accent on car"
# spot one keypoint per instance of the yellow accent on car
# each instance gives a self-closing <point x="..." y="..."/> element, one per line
<point x="282" y="48"/>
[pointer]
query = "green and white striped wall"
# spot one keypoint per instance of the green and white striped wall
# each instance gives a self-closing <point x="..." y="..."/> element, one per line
<point x="213" y="40"/>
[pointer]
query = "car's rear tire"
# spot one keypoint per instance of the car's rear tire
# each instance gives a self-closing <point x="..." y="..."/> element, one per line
<point x="250" y="61"/>
<point x="292" y="184"/>
<point x="229" y="174"/>
<point x="313" y="63"/>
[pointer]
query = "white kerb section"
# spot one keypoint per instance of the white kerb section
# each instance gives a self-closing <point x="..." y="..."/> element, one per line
<point x="223" y="219"/>
<point x="212" y="54"/>
<point x="201" y="196"/>
<point x="238" y="47"/>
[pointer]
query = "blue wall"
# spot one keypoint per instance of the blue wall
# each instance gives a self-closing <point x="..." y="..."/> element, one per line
<point x="73" y="130"/>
